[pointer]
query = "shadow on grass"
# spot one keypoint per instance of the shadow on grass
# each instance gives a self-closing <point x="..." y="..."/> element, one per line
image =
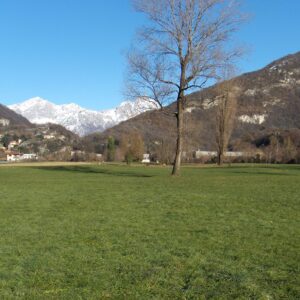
<point x="262" y="173"/>
<point x="281" y="170"/>
<point x="89" y="170"/>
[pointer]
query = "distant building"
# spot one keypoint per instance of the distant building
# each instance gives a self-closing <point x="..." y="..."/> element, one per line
<point x="77" y="152"/>
<point x="14" y="156"/>
<point x="49" y="137"/>
<point x="146" y="158"/>
<point x="12" y="145"/>
<point x="235" y="154"/>
<point x="29" y="156"/>
<point x="201" y="154"/>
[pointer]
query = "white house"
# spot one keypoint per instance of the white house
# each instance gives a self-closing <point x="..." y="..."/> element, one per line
<point x="29" y="156"/>
<point x="146" y="158"/>
<point x="49" y="137"/>
<point x="200" y="153"/>
<point x="15" y="156"/>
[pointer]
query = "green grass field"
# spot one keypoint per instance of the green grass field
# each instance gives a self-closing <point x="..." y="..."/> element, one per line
<point x="97" y="232"/>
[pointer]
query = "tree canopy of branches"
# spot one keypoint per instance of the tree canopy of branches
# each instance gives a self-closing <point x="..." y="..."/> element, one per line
<point x="182" y="47"/>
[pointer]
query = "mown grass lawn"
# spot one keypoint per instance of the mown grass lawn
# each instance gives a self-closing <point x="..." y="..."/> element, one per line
<point x="97" y="232"/>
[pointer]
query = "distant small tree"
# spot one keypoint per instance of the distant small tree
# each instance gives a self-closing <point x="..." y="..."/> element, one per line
<point x="164" y="151"/>
<point x="132" y="146"/>
<point x="128" y="157"/>
<point x="137" y="146"/>
<point x="289" y="150"/>
<point x="111" y="148"/>
<point x="275" y="148"/>
<point x="6" y="139"/>
<point x="225" y="116"/>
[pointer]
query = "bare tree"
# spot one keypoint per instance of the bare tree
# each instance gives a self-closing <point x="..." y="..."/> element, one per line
<point x="180" y="49"/>
<point x="225" y="116"/>
<point x="132" y="146"/>
<point x="289" y="150"/>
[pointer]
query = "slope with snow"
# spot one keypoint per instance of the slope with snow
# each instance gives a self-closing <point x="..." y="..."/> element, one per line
<point x="77" y="119"/>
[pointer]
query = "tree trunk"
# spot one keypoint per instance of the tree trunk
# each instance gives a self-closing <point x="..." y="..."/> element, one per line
<point x="177" y="162"/>
<point x="220" y="158"/>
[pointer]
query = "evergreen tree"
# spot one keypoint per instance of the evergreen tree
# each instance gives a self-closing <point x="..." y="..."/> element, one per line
<point x="111" y="148"/>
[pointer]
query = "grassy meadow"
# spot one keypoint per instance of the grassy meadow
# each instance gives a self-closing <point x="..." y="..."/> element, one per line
<point x="118" y="232"/>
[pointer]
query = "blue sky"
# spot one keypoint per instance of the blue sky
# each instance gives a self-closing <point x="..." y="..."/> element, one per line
<point x="72" y="50"/>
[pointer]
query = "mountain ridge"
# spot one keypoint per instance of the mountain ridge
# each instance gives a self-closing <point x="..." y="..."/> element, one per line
<point x="12" y="118"/>
<point x="76" y="118"/>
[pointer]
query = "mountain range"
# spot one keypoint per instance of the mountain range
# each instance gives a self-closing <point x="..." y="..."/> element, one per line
<point x="77" y="119"/>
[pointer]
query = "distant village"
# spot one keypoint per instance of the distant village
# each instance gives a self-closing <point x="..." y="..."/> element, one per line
<point x="12" y="153"/>
<point x="52" y="142"/>
<point x="31" y="144"/>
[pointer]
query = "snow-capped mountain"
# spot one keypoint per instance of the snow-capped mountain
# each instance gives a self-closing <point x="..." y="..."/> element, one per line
<point x="77" y="119"/>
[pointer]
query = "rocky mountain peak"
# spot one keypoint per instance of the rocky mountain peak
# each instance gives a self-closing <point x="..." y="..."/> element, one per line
<point x="78" y="119"/>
